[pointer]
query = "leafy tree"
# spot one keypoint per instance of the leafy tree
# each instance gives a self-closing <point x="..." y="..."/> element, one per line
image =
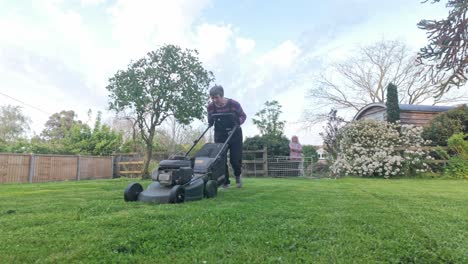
<point x="3" y="146"/>
<point x="332" y="134"/>
<point x="58" y="125"/>
<point x="446" y="56"/>
<point x="166" y="82"/>
<point x="309" y="151"/>
<point x="104" y="141"/>
<point x="13" y="123"/>
<point x="393" y="109"/>
<point x="271" y="130"/>
<point x="40" y="146"/>
<point x="99" y="141"/>
<point x="267" y="120"/>
<point x="276" y="146"/>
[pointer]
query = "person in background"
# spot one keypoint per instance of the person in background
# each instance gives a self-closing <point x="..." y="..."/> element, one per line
<point x="295" y="154"/>
<point x="220" y="104"/>
<point x="295" y="149"/>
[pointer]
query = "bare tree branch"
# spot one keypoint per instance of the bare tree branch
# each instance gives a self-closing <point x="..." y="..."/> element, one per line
<point x="364" y="77"/>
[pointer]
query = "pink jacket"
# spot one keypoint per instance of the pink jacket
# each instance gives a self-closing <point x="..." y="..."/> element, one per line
<point x="295" y="150"/>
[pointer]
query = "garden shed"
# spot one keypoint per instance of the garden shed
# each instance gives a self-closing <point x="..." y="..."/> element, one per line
<point x="418" y="115"/>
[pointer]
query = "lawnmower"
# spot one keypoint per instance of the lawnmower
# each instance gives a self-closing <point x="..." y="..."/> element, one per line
<point x="182" y="178"/>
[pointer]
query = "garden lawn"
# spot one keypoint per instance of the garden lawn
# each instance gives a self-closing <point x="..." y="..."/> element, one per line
<point x="269" y="220"/>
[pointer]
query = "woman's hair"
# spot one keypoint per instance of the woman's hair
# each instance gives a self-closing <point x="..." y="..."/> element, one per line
<point x="217" y="90"/>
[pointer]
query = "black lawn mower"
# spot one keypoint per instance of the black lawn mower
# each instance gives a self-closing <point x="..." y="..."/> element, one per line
<point x="183" y="178"/>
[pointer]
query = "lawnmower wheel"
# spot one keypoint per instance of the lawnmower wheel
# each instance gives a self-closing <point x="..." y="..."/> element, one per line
<point x="211" y="189"/>
<point x="177" y="194"/>
<point x="132" y="192"/>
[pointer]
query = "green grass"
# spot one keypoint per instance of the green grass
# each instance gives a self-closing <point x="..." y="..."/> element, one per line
<point x="268" y="221"/>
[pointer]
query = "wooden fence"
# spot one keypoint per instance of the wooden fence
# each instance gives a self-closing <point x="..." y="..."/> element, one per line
<point x="255" y="162"/>
<point x="31" y="168"/>
<point x="427" y="149"/>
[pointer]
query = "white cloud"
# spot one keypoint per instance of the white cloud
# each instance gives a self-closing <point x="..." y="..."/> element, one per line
<point x="91" y="3"/>
<point x="62" y="61"/>
<point x="283" y="56"/>
<point x="212" y="40"/>
<point x="245" y="45"/>
<point x="143" y="24"/>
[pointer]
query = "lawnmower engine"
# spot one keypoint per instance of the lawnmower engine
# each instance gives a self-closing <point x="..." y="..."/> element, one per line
<point x="173" y="172"/>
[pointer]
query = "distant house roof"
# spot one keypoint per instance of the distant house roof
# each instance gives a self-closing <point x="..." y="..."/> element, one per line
<point x="424" y="108"/>
<point x="406" y="108"/>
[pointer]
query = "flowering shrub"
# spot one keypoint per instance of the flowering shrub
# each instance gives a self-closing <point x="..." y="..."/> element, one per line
<point x="371" y="148"/>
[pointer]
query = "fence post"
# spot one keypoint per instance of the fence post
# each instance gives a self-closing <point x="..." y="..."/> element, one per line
<point x="265" y="161"/>
<point x="32" y="162"/>
<point x="78" y="167"/>
<point x="112" y="164"/>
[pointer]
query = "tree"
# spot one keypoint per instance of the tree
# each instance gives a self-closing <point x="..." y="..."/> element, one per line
<point x="445" y="124"/>
<point x="267" y="120"/>
<point x="13" y="123"/>
<point x="99" y="141"/>
<point x="271" y="130"/>
<point x="332" y="134"/>
<point x="363" y="78"/>
<point x="176" y="133"/>
<point x="446" y="56"/>
<point x="393" y="110"/>
<point x="188" y="136"/>
<point x="276" y="146"/>
<point x="166" y="82"/>
<point x="127" y="125"/>
<point x="309" y="151"/>
<point x="58" y="125"/>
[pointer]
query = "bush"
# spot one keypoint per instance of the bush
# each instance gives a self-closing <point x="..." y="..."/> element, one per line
<point x="153" y="165"/>
<point x="276" y="145"/>
<point x="371" y="148"/>
<point x="457" y="166"/>
<point x="310" y="152"/>
<point x="444" y="125"/>
<point x="458" y="143"/>
<point x="320" y="168"/>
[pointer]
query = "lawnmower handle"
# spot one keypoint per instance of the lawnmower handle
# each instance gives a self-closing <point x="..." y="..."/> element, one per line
<point x="196" y="141"/>
<point x="230" y="134"/>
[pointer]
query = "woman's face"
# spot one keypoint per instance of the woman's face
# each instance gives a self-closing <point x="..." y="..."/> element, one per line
<point x="217" y="99"/>
<point x="295" y="139"/>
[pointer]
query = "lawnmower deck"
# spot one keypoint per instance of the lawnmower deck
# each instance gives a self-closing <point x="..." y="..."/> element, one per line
<point x="156" y="193"/>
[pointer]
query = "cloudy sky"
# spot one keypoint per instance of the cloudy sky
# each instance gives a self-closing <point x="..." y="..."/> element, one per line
<point x="58" y="55"/>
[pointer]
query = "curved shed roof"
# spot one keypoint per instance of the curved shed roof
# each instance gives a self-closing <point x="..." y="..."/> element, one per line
<point x="405" y="107"/>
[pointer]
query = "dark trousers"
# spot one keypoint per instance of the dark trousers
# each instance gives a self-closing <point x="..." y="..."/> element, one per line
<point x="235" y="152"/>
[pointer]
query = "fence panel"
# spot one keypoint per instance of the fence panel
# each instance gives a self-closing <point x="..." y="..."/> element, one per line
<point x="95" y="168"/>
<point x="14" y="168"/>
<point x="283" y="166"/>
<point x="22" y="168"/>
<point x="255" y="162"/>
<point x="54" y="168"/>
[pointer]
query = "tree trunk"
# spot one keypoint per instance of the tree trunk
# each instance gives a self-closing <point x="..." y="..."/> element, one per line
<point x="134" y="143"/>
<point x="148" y="154"/>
